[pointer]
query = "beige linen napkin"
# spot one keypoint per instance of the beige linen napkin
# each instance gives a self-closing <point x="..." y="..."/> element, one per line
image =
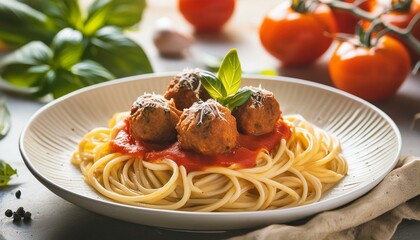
<point x="376" y="215"/>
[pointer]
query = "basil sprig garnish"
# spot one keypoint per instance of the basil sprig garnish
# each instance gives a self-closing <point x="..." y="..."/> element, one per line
<point x="225" y="85"/>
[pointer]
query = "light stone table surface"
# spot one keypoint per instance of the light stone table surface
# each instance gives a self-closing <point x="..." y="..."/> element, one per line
<point x="55" y="218"/>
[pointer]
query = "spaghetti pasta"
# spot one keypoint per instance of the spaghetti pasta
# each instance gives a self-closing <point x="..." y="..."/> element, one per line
<point x="296" y="173"/>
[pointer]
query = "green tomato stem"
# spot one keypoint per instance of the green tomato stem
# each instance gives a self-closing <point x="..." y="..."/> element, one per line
<point x="401" y="5"/>
<point x="352" y="8"/>
<point x="375" y="19"/>
<point x="303" y="6"/>
<point x="406" y="33"/>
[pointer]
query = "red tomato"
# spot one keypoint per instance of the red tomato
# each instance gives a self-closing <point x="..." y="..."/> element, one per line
<point x="373" y="73"/>
<point x="401" y="19"/>
<point x="207" y="15"/>
<point x="297" y="38"/>
<point x="346" y="21"/>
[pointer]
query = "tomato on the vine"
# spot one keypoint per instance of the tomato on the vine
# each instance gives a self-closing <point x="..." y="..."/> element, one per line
<point x="207" y="15"/>
<point x="372" y="73"/>
<point x="346" y="21"/>
<point x="294" y="37"/>
<point x="401" y="18"/>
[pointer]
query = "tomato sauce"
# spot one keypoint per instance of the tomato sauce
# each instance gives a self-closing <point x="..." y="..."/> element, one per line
<point x="244" y="155"/>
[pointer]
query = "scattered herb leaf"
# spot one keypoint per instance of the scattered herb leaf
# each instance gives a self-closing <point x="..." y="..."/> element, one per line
<point x="5" y="121"/>
<point x="6" y="173"/>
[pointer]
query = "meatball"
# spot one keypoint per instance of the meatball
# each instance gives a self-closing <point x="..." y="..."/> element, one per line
<point x="207" y="128"/>
<point x="153" y="119"/>
<point x="185" y="88"/>
<point x="259" y="114"/>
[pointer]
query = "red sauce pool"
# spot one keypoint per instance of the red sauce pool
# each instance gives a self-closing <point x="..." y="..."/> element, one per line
<point x="244" y="155"/>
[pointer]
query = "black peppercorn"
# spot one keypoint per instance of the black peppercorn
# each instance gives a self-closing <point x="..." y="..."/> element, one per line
<point x="16" y="216"/>
<point x="27" y="216"/>
<point x="20" y="211"/>
<point x="18" y="193"/>
<point x="8" y="213"/>
<point x="19" y="214"/>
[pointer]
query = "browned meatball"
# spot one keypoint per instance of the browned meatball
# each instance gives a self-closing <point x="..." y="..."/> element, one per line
<point x="153" y="119"/>
<point x="259" y="114"/>
<point x="185" y="88"/>
<point x="207" y="128"/>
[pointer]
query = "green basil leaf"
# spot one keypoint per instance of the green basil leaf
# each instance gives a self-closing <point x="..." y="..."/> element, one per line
<point x="230" y="72"/>
<point x="212" y="85"/>
<point x="26" y="65"/>
<point x="39" y="5"/>
<point x="238" y="99"/>
<point x="67" y="47"/>
<point x="44" y="84"/>
<point x="84" y="73"/>
<point x="6" y="172"/>
<point x="97" y="14"/>
<point x="125" y="13"/>
<point x="63" y="82"/>
<point x="20" y="24"/>
<point x="18" y="76"/>
<point x="90" y="72"/>
<point x="5" y="121"/>
<point x="66" y="13"/>
<point x="33" y="53"/>
<point x="23" y="75"/>
<point x="120" y="55"/>
<point x="57" y="83"/>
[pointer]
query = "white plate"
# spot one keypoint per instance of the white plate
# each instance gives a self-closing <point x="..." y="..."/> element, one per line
<point x="370" y="139"/>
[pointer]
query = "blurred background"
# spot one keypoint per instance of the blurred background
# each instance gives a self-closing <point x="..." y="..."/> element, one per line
<point x="130" y="37"/>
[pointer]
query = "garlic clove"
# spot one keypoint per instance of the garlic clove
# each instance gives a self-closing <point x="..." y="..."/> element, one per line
<point x="169" y="41"/>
